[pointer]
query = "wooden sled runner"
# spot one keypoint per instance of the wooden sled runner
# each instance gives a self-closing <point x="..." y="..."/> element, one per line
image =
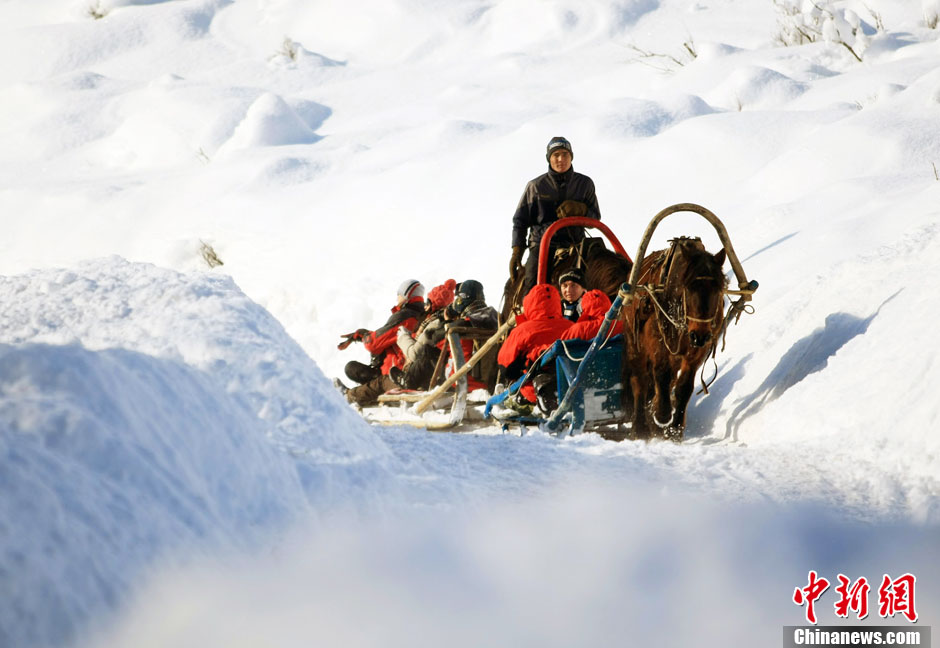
<point x="445" y="406"/>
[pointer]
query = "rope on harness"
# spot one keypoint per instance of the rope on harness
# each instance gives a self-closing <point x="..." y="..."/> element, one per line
<point x="679" y="327"/>
<point x="651" y="291"/>
<point x="603" y="344"/>
<point x="708" y="383"/>
<point x="735" y="310"/>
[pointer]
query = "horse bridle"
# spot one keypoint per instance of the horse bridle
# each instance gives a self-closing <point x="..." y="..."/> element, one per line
<point x="685" y="309"/>
<point x="718" y="306"/>
<point x="680" y="328"/>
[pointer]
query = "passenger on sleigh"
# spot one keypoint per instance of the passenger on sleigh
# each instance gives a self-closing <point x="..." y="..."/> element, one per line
<point x="537" y="327"/>
<point x="594" y="306"/>
<point x="423" y="348"/>
<point x="541" y="389"/>
<point x="373" y="378"/>
<point x="571" y="285"/>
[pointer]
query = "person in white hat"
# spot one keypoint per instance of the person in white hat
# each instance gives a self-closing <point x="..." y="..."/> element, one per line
<point x="382" y="344"/>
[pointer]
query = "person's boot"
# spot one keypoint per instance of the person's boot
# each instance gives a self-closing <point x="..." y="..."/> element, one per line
<point x="340" y="386"/>
<point x="545" y="392"/>
<point x="518" y="404"/>
<point x="398" y="377"/>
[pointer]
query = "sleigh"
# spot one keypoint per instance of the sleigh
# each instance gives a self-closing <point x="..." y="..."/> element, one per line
<point x="450" y="405"/>
<point x="445" y="406"/>
<point x="590" y="375"/>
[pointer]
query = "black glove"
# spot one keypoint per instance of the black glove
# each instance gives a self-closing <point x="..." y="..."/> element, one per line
<point x="515" y="262"/>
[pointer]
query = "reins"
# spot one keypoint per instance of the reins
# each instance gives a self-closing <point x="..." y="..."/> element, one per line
<point x="683" y="326"/>
<point x="735" y="310"/>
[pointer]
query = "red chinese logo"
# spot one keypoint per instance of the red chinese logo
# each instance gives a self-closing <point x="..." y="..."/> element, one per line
<point x="897" y="596"/>
<point x="810" y="594"/>
<point x="853" y="598"/>
<point x="894" y="596"/>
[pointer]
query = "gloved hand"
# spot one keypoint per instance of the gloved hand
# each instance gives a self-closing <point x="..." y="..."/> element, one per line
<point x="571" y="209"/>
<point x="515" y="262"/>
<point x="349" y="338"/>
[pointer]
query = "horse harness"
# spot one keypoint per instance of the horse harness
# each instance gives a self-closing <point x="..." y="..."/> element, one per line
<point x="666" y="267"/>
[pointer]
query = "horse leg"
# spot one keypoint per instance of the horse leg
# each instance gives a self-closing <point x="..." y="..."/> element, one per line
<point x="684" y="387"/>
<point x="641" y="428"/>
<point x="662" y="399"/>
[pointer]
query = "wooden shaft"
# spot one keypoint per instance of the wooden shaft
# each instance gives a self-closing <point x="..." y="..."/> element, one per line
<point x="711" y="218"/>
<point x="489" y="344"/>
<point x="439" y="366"/>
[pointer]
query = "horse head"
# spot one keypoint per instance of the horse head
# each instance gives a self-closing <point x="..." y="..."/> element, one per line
<point x="702" y="286"/>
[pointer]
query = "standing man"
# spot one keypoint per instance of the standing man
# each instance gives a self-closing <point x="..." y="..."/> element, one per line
<point x="557" y="194"/>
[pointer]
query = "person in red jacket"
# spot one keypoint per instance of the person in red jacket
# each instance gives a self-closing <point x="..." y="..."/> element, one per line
<point x="594" y="307"/>
<point x="382" y="344"/>
<point x="537" y="327"/>
<point x="422" y="347"/>
<point x="467" y="307"/>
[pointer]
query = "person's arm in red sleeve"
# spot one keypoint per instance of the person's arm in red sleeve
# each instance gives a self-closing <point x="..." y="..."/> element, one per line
<point x="378" y="341"/>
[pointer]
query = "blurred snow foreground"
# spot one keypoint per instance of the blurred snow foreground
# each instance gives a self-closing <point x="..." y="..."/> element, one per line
<point x="143" y="410"/>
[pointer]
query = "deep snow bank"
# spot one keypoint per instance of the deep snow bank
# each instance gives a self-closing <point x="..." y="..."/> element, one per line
<point x="145" y="412"/>
<point x="107" y="460"/>
<point x="204" y="321"/>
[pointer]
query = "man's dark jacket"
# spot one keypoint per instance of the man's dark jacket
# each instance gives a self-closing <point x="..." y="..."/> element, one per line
<point x="542" y="196"/>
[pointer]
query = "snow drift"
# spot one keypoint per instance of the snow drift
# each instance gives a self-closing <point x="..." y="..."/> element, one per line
<point x="147" y="414"/>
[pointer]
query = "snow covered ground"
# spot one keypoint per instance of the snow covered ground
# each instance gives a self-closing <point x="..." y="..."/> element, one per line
<point x="175" y="467"/>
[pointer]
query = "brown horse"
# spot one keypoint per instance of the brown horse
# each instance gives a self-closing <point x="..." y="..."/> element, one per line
<point x="604" y="269"/>
<point x="672" y="325"/>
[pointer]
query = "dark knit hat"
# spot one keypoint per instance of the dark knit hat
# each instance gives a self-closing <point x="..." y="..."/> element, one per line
<point x="468" y="292"/>
<point x="558" y="143"/>
<point x="574" y="274"/>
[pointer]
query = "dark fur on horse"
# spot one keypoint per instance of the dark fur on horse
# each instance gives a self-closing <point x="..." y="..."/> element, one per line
<point x="661" y="356"/>
<point x="604" y="270"/>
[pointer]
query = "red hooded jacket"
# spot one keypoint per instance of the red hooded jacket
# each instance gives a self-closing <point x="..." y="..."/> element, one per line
<point x="594" y="306"/>
<point x="539" y="325"/>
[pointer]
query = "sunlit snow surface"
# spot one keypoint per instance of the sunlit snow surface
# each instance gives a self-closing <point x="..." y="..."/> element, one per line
<point x="175" y="466"/>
